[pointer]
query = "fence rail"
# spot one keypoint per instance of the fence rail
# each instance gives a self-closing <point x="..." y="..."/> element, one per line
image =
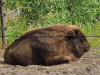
<point x="47" y="36"/>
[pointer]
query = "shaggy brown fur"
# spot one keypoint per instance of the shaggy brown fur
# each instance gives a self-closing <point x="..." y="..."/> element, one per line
<point x="28" y="50"/>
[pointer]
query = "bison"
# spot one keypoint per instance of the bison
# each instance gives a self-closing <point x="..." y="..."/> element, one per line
<point x="49" y="45"/>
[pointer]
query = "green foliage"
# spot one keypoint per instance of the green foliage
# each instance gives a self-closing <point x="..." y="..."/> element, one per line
<point x="74" y="12"/>
<point x="14" y="31"/>
<point x="92" y="30"/>
<point x="40" y="13"/>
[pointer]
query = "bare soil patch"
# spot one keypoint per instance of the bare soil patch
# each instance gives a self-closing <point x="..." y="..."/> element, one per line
<point x="89" y="64"/>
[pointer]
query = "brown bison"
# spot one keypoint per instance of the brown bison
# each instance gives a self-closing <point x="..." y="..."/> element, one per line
<point x="47" y="46"/>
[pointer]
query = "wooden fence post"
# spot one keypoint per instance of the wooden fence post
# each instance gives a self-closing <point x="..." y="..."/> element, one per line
<point x="4" y="37"/>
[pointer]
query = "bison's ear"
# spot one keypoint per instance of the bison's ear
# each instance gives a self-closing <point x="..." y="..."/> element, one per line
<point x="77" y="31"/>
<point x="70" y="35"/>
<point x="74" y="32"/>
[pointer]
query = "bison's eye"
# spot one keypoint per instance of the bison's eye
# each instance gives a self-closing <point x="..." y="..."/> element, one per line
<point x="81" y="36"/>
<point x="82" y="39"/>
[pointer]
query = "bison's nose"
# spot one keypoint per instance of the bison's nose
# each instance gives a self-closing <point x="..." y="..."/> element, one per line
<point x="87" y="47"/>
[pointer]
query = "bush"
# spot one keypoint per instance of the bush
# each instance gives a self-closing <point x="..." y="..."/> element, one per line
<point x="74" y="12"/>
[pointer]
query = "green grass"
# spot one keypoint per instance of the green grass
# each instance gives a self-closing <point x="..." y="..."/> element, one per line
<point x="88" y="30"/>
<point x="92" y="30"/>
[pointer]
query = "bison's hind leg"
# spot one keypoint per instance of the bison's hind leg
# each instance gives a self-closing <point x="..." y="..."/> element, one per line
<point x="57" y="60"/>
<point x="20" y="59"/>
<point x="16" y="58"/>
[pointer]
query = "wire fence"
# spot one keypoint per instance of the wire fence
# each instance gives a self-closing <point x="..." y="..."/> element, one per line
<point x="22" y="16"/>
<point x="48" y="36"/>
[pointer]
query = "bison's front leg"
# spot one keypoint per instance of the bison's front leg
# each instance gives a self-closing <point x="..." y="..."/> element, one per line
<point x="54" y="60"/>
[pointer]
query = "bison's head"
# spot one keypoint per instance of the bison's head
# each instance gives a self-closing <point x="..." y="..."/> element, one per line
<point x="79" y="42"/>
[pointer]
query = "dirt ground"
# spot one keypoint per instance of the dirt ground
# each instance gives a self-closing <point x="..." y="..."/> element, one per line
<point x="89" y="64"/>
